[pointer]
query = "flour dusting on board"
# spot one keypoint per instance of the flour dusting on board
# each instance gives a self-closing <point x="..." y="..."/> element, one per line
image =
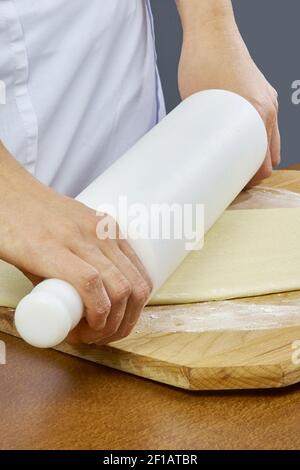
<point x="221" y="316"/>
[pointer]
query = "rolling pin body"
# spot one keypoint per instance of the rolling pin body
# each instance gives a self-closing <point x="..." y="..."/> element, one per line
<point x="205" y="151"/>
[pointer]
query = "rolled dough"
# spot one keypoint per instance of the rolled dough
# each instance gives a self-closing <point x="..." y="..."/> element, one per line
<point x="13" y="285"/>
<point x="246" y="253"/>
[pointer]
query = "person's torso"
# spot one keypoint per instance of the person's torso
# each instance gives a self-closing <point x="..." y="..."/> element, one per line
<point x="81" y="85"/>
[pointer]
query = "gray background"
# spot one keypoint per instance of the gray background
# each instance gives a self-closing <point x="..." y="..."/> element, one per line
<point x="272" y="33"/>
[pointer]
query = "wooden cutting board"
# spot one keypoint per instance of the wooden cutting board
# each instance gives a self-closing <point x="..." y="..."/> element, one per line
<point x="206" y="355"/>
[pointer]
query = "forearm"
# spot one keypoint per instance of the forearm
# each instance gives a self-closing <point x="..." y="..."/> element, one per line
<point x="205" y="15"/>
<point x="14" y="179"/>
<point x="214" y="55"/>
<point x="11" y="172"/>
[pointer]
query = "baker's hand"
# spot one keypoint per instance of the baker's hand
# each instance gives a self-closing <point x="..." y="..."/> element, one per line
<point x="53" y="236"/>
<point x="215" y="56"/>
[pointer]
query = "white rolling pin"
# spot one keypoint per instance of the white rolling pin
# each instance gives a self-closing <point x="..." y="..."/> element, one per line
<point x="205" y="151"/>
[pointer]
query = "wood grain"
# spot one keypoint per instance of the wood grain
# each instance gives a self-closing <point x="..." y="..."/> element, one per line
<point x="203" y="360"/>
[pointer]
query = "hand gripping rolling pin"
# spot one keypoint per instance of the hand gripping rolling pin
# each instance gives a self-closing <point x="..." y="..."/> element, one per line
<point x="205" y="151"/>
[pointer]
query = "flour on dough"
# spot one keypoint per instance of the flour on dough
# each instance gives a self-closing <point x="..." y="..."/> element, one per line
<point x="13" y="285"/>
<point x="246" y="253"/>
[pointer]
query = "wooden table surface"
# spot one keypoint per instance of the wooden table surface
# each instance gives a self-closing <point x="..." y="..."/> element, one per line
<point x="49" y="400"/>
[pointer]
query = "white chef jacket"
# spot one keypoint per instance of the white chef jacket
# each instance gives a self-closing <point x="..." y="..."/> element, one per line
<point x="81" y="85"/>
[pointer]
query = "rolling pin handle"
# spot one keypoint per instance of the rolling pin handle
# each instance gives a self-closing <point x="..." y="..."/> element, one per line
<point x="45" y="317"/>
